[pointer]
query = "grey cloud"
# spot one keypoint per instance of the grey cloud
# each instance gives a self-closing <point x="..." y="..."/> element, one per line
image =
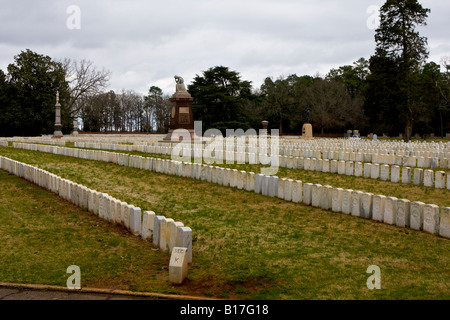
<point x="145" y="43"/>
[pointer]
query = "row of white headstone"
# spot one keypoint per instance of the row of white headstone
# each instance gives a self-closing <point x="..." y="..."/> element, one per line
<point x="394" y="173"/>
<point x="401" y="212"/>
<point x="331" y="150"/>
<point x="164" y="233"/>
<point x="253" y="157"/>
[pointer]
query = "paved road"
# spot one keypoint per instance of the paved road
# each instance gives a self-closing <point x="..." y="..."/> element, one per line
<point x="32" y="294"/>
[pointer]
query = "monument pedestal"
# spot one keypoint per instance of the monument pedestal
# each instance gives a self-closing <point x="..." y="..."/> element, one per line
<point x="181" y="117"/>
<point x="58" y="133"/>
<point x="307" y="132"/>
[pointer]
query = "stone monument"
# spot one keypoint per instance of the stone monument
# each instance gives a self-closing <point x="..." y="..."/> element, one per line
<point x="265" y="126"/>
<point x="181" y="116"/>
<point x="58" y="133"/>
<point x="75" y="126"/>
<point x="307" y="131"/>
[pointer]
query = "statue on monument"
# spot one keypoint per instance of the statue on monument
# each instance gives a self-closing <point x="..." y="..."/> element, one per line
<point x="181" y="115"/>
<point x="180" y="84"/>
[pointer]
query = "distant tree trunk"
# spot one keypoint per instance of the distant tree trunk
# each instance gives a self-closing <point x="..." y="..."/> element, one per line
<point x="409" y="127"/>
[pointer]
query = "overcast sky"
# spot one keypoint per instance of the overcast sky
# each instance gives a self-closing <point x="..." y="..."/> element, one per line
<point x="145" y="43"/>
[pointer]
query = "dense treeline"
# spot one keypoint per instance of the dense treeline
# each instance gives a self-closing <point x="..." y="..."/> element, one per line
<point x="394" y="92"/>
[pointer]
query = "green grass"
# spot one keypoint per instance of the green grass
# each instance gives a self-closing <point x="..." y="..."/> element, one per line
<point x="247" y="245"/>
<point x="42" y="235"/>
<point x="440" y="197"/>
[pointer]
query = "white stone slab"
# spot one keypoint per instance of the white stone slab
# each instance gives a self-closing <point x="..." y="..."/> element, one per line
<point x="439" y="181"/>
<point x="326" y="197"/>
<point x="157" y="229"/>
<point x="163" y="231"/>
<point x="390" y="210"/>
<point x="341" y="167"/>
<point x="184" y="240"/>
<point x="346" y="201"/>
<point x="307" y="193"/>
<point x="336" y="199"/>
<point x="258" y="183"/>
<point x="375" y="171"/>
<point x="403" y="213"/>
<point x="431" y="218"/>
<point x="367" y="170"/>
<point x="444" y="223"/>
<point x="406" y="175"/>
<point x="178" y="265"/>
<point x="297" y="191"/>
<point x="281" y="187"/>
<point x="273" y="186"/>
<point x="366" y="205"/>
<point x="288" y="189"/>
<point x="384" y="172"/>
<point x="395" y="174"/>
<point x="135" y="221"/>
<point x="428" y="180"/>
<point x="147" y="225"/>
<point x="349" y="168"/>
<point x="416" y="215"/>
<point x="250" y="183"/>
<point x="316" y="193"/>
<point x="173" y="233"/>
<point x="355" y="208"/>
<point x="418" y="177"/>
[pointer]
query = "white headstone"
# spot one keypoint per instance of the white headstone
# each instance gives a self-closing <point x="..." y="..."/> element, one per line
<point x="428" y="178"/>
<point x="375" y="171"/>
<point x="416" y="215"/>
<point x="384" y="174"/>
<point x="358" y="169"/>
<point x="316" y="192"/>
<point x="431" y="218"/>
<point x="406" y="175"/>
<point x="390" y="210"/>
<point x="307" y="193"/>
<point x="178" y="265"/>
<point x="403" y="213"/>
<point x="418" y="176"/>
<point x="184" y="240"/>
<point x="349" y="168"/>
<point x="395" y="174"/>
<point x="326" y="197"/>
<point x="164" y="234"/>
<point x="367" y="170"/>
<point x="336" y="199"/>
<point x="147" y="225"/>
<point x="157" y="229"/>
<point x="440" y="180"/>
<point x="346" y="201"/>
<point x="173" y="233"/>
<point x="281" y="187"/>
<point x="297" y="191"/>
<point x="366" y="205"/>
<point x="288" y="190"/>
<point x="444" y="223"/>
<point x="355" y="207"/>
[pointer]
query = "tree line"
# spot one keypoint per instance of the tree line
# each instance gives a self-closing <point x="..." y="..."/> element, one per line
<point x="394" y="91"/>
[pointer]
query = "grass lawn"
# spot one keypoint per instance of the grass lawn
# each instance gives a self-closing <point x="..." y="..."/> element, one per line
<point x="245" y="245"/>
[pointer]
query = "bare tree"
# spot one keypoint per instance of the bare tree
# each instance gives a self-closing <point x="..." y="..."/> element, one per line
<point x="331" y="104"/>
<point x="84" y="80"/>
